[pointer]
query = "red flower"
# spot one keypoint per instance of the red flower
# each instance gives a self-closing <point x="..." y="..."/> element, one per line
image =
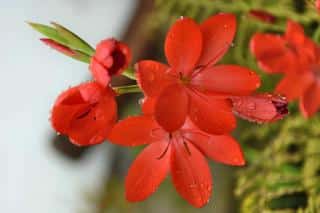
<point x="86" y="113"/>
<point x="111" y="58"/>
<point x="317" y="4"/>
<point x="263" y="16"/>
<point x="192" y="85"/>
<point x="298" y="58"/>
<point x="180" y="153"/>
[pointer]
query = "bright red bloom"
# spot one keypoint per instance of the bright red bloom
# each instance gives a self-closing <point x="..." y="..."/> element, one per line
<point x="180" y="153"/>
<point x="86" y="113"/>
<point x="111" y="58"/>
<point x="298" y="58"/>
<point x="263" y="16"/>
<point x="192" y="85"/>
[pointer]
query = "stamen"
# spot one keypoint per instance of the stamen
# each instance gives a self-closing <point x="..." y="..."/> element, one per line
<point x="186" y="146"/>
<point x="203" y="67"/>
<point x="84" y="114"/>
<point x="165" y="151"/>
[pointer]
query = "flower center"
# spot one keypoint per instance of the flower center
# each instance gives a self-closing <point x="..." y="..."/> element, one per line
<point x="119" y="61"/>
<point x="185" y="80"/>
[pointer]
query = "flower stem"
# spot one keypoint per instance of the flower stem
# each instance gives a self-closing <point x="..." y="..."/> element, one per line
<point x="127" y="89"/>
<point x="129" y="73"/>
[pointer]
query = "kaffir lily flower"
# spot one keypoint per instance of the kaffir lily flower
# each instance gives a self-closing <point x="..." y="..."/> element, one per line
<point x="86" y="113"/>
<point x="298" y="58"/>
<point x="112" y="57"/>
<point x="191" y="85"/>
<point x="180" y="153"/>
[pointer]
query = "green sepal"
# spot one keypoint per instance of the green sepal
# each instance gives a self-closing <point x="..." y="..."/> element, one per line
<point x="74" y="41"/>
<point x="49" y="32"/>
<point x="80" y="56"/>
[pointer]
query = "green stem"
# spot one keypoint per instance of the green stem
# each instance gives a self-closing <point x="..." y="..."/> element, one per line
<point x="127" y="89"/>
<point x="129" y="73"/>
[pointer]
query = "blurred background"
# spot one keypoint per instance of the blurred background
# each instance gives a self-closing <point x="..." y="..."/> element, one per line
<point x="43" y="172"/>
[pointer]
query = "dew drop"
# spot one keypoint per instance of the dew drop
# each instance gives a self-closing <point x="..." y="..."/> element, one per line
<point x="140" y="101"/>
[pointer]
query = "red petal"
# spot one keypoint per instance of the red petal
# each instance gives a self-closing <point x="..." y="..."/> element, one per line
<point x="190" y="174"/>
<point x="226" y="80"/>
<point x="172" y="107"/>
<point x="94" y="127"/>
<point x="152" y="77"/>
<point x="294" y="33"/>
<point x="147" y="172"/>
<point x="310" y="102"/>
<point x="218" y="32"/>
<point x="99" y="73"/>
<point x="304" y="48"/>
<point x="135" y="131"/>
<point x="220" y="148"/>
<point x="71" y="103"/>
<point x="211" y="115"/>
<point x="260" y="108"/>
<point x="183" y="45"/>
<point x="272" y="53"/>
<point x="113" y="55"/>
<point x="148" y="105"/>
<point x="293" y="85"/>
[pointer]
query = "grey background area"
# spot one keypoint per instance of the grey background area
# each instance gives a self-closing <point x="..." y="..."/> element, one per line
<point x="34" y="177"/>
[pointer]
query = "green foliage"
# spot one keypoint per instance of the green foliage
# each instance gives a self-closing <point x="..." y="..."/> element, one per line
<point x="81" y="49"/>
<point x="286" y="174"/>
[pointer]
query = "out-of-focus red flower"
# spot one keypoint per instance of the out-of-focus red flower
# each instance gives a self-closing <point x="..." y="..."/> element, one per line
<point x="191" y="85"/>
<point x="298" y="58"/>
<point x="317" y="4"/>
<point x="86" y="113"/>
<point x="111" y="58"/>
<point x="180" y="153"/>
<point x="263" y="16"/>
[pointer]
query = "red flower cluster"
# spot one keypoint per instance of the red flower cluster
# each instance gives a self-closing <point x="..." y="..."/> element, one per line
<point x="87" y="113"/>
<point x="189" y="111"/>
<point x="298" y="58"/>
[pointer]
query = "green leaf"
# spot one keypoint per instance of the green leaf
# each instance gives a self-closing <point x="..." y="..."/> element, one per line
<point x="129" y="73"/>
<point x="74" y="41"/>
<point x="80" y="56"/>
<point x="49" y="32"/>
